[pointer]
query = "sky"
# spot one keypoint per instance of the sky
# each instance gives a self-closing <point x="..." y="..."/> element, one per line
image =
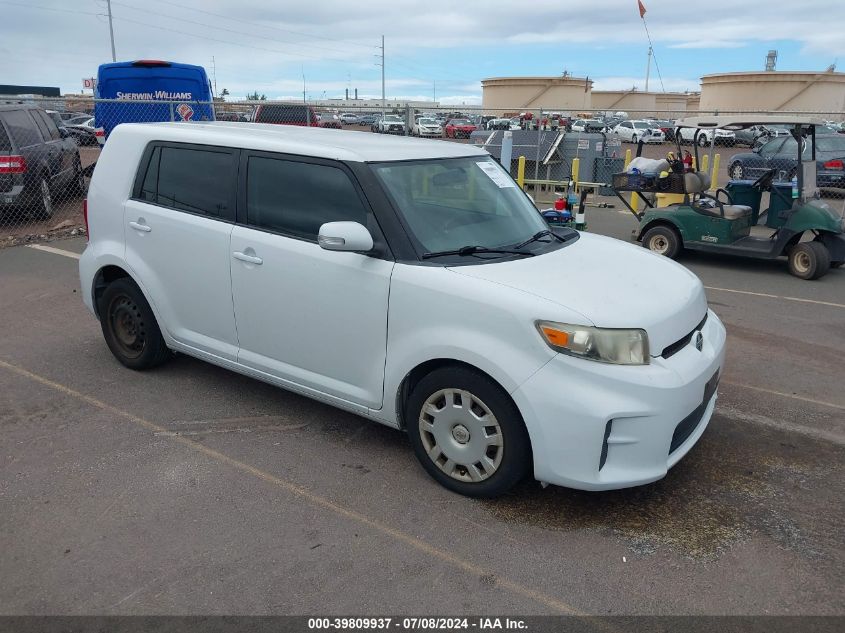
<point x="432" y="49"/>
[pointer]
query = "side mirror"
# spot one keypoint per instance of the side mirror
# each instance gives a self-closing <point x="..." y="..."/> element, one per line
<point x="345" y="236"/>
<point x="63" y="132"/>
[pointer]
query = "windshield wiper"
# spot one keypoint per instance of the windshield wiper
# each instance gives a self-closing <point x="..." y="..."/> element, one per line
<point x="540" y="235"/>
<point x="464" y="251"/>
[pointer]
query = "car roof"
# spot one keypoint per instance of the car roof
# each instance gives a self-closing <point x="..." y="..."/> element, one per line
<point x="747" y="120"/>
<point x="303" y="141"/>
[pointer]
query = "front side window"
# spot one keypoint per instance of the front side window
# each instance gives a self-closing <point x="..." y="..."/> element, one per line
<point x="455" y="202"/>
<point x="297" y="198"/>
<point x="198" y="181"/>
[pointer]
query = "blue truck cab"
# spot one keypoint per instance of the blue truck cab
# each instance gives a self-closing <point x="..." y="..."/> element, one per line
<point x="127" y="92"/>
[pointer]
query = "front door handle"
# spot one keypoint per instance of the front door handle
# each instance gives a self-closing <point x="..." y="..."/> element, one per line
<point x="250" y="259"/>
<point x="140" y="227"/>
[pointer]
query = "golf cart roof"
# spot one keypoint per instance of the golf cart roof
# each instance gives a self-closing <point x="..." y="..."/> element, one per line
<point x="735" y="122"/>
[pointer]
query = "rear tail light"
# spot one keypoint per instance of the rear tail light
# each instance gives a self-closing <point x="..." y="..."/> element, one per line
<point x="99" y="132"/>
<point x="835" y="164"/>
<point x="85" y="217"/>
<point x="12" y="164"/>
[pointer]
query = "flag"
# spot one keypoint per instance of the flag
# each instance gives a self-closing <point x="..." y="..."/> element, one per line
<point x="642" y="8"/>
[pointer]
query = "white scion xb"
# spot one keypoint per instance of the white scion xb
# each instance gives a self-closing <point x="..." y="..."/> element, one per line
<point x="408" y="281"/>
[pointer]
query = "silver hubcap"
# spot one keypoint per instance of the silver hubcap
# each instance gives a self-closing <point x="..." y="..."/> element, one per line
<point x="736" y="174"/>
<point x="46" y="198"/>
<point x="802" y="262"/>
<point x="461" y="435"/>
<point x="659" y="244"/>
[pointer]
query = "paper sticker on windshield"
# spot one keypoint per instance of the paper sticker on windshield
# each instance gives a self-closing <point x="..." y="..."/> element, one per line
<point x="496" y="174"/>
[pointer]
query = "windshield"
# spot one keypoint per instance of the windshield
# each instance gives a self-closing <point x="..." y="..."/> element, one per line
<point x="392" y="118"/>
<point x="449" y="203"/>
<point x="428" y="122"/>
<point x="460" y="122"/>
<point x="640" y="125"/>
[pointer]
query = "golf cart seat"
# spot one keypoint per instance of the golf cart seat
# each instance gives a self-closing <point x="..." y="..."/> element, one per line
<point x="699" y="182"/>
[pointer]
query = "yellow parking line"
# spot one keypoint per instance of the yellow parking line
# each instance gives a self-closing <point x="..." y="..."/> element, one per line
<point x="769" y="296"/>
<point x="315" y="499"/>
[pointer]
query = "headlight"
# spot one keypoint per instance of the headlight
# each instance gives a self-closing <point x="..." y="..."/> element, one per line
<point x="620" y="347"/>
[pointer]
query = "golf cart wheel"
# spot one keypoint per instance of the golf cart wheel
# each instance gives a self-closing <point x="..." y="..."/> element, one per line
<point x="663" y="240"/>
<point x="467" y="433"/>
<point x="736" y="171"/>
<point x="809" y="260"/>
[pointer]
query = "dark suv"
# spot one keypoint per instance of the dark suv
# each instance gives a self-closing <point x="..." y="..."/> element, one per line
<point x="38" y="161"/>
<point x="286" y="114"/>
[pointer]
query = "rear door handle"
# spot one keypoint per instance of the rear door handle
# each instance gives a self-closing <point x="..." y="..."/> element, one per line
<point x="250" y="259"/>
<point x="140" y="227"/>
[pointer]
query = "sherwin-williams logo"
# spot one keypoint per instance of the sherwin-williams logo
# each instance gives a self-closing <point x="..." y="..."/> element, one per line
<point x="185" y="111"/>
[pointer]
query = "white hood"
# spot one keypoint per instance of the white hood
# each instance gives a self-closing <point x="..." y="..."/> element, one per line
<point x="612" y="283"/>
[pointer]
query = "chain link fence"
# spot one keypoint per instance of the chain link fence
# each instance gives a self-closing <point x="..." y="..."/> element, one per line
<point x="49" y="149"/>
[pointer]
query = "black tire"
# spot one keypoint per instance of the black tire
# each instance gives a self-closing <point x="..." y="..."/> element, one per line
<point x="634" y="139"/>
<point x="663" y="240"/>
<point x="43" y="206"/>
<point x="809" y="260"/>
<point x="129" y="326"/>
<point x="512" y="457"/>
<point x="836" y="264"/>
<point x="702" y="140"/>
<point x="78" y="185"/>
<point x="736" y="171"/>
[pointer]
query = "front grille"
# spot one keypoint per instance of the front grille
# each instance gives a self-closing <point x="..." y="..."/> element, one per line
<point x="687" y="426"/>
<point x="677" y="346"/>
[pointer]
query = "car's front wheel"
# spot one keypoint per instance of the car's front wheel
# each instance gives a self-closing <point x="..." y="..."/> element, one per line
<point x="736" y="171"/>
<point x="44" y="202"/>
<point x="467" y="432"/>
<point x="129" y="326"/>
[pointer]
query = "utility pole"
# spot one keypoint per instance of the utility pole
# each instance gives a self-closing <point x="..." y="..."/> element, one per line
<point x="382" y="75"/>
<point x="648" y="68"/>
<point x="111" y="32"/>
<point x="214" y="74"/>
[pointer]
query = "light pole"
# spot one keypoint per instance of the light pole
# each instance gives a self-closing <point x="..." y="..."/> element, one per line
<point x="111" y="32"/>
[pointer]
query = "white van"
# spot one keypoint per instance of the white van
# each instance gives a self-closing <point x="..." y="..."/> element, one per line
<point x="408" y="281"/>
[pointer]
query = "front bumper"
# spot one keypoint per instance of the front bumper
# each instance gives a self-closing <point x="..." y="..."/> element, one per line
<point x="595" y="426"/>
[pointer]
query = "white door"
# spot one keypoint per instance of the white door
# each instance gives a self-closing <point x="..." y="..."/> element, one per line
<point x="312" y="317"/>
<point x="177" y="227"/>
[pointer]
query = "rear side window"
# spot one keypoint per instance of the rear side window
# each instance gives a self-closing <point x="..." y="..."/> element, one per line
<point x="22" y="127"/>
<point x="198" y="181"/>
<point x="286" y="115"/>
<point x="49" y="123"/>
<point x="297" y="198"/>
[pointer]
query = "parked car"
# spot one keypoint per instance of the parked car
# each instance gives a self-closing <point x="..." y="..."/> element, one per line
<point x="781" y="153"/>
<point x="67" y="116"/>
<point x="459" y="128"/>
<point x="234" y="117"/>
<point x="426" y="126"/>
<point x="667" y="127"/>
<point x="286" y="114"/>
<point x="348" y="118"/>
<point x="76" y="120"/>
<point x="391" y="124"/>
<point x="636" y="131"/>
<point x="39" y="162"/>
<point x="82" y="135"/>
<point x="705" y="137"/>
<point x="376" y="120"/>
<point x="330" y="120"/>
<point x="89" y="127"/>
<point x="325" y="270"/>
<point x="367" y="119"/>
<point x="587" y="125"/>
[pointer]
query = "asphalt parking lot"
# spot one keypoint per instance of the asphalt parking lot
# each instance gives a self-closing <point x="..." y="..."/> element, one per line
<point x="193" y="490"/>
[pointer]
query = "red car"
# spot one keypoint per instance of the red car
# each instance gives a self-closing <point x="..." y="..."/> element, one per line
<point x="457" y="128"/>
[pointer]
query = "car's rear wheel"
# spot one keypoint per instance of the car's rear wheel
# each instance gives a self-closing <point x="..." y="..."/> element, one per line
<point x="78" y="184"/>
<point x="702" y="140"/>
<point x="129" y="326"/>
<point x="809" y="260"/>
<point x="736" y="171"/>
<point x="663" y="240"/>
<point x="467" y="432"/>
<point x="44" y="203"/>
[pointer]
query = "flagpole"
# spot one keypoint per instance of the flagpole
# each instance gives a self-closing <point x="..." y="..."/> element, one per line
<point x="648" y="68"/>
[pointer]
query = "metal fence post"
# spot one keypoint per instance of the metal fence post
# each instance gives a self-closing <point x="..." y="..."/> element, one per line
<point x="507" y="150"/>
<point x="171" y="112"/>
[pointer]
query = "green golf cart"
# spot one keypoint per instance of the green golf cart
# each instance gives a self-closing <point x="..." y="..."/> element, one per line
<point x="802" y="227"/>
